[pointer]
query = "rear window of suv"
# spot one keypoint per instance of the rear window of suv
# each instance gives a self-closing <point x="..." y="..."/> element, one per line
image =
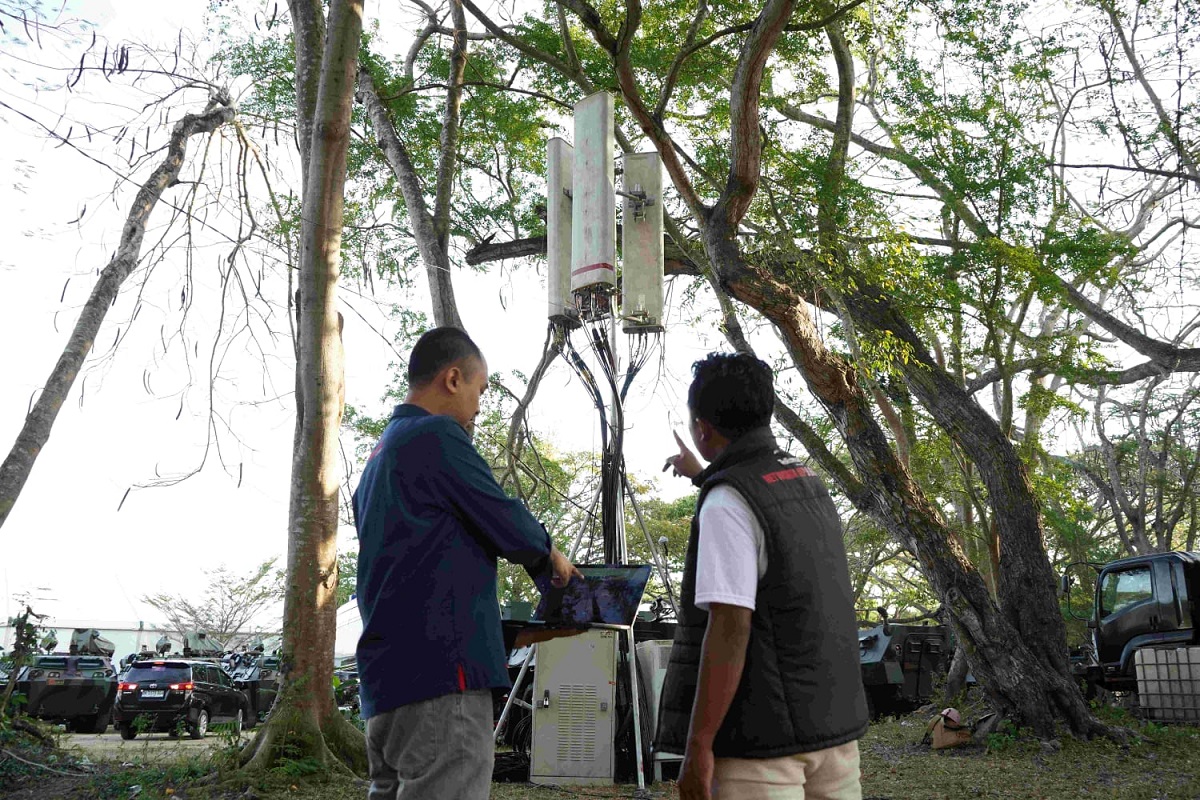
<point x="159" y="672"/>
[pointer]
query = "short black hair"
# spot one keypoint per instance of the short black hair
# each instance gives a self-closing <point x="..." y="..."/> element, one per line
<point x="437" y="349"/>
<point x="733" y="392"/>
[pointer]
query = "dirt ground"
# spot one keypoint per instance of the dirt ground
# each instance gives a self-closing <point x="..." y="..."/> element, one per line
<point x="147" y="747"/>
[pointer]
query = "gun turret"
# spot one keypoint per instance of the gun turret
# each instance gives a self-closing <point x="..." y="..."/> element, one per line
<point x="197" y="644"/>
<point x="89" y="642"/>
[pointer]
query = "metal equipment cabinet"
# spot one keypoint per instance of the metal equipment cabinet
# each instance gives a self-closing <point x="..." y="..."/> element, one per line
<point x="574" y="717"/>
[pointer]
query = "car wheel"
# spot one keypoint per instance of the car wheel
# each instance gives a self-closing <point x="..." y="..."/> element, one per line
<point x="127" y="731"/>
<point x="200" y="727"/>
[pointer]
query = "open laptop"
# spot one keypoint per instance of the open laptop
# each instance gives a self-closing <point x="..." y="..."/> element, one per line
<point x="607" y="596"/>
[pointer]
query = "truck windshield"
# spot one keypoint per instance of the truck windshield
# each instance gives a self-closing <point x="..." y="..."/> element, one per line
<point x="1123" y="589"/>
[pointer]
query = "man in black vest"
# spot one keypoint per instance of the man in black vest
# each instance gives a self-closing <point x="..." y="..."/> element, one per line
<point x="763" y="694"/>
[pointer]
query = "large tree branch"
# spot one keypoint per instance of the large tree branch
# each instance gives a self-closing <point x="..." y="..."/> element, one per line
<point x="732" y="30"/>
<point x="523" y="46"/>
<point x="843" y="128"/>
<point x="35" y="431"/>
<point x="1163" y="356"/>
<point x="675" y="260"/>
<point x="689" y="39"/>
<point x="308" y="30"/>
<point x="433" y="254"/>
<point x="448" y="140"/>
<point x="1166" y="124"/>
<point x="745" y="138"/>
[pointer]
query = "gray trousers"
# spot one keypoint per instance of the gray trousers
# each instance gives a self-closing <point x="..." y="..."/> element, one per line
<point x="439" y="749"/>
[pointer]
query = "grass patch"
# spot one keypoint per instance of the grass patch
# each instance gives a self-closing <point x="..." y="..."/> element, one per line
<point x="1160" y="762"/>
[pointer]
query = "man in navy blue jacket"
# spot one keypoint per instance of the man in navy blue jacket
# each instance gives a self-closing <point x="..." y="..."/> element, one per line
<point x="432" y="522"/>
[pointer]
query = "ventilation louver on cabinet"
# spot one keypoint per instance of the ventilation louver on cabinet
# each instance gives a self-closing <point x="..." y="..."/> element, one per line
<point x="577" y="723"/>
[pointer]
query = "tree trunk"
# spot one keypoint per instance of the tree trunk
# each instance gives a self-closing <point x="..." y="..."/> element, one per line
<point x="1026" y="582"/>
<point x="305" y="723"/>
<point x="956" y="675"/>
<point x="36" y="431"/>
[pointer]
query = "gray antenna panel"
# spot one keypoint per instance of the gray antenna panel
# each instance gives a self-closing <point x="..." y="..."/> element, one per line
<point x="560" y="158"/>
<point x="593" y="223"/>
<point x="642" y="244"/>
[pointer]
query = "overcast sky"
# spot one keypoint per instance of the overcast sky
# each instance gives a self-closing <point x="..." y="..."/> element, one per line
<point x="65" y="542"/>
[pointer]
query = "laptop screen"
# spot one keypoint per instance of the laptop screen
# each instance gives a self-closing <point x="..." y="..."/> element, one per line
<point x="607" y="594"/>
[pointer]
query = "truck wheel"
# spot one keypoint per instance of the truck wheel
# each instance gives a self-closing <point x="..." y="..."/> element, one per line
<point x="251" y="719"/>
<point x="237" y="723"/>
<point x="101" y="723"/>
<point x="200" y="727"/>
<point x="127" y="731"/>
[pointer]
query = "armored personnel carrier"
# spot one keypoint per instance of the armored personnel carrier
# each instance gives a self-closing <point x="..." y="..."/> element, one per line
<point x="77" y="687"/>
<point x="899" y="664"/>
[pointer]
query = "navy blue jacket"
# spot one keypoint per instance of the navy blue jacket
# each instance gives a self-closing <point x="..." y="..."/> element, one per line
<point x="431" y="523"/>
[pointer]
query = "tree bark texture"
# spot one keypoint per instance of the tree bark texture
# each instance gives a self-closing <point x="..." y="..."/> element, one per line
<point x="304" y="722"/>
<point x="34" y="434"/>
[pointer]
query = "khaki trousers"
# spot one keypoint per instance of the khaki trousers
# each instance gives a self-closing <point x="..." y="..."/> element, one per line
<point x="830" y="774"/>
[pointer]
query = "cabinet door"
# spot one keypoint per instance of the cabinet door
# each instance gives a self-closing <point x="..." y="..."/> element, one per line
<point x="573" y="716"/>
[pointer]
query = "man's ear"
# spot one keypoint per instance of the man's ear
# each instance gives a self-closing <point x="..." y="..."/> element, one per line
<point x="705" y="429"/>
<point x="453" y="379"/>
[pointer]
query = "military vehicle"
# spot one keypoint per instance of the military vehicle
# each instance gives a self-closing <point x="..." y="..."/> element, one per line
<point x="267" y="688"/>
<point x="258" y="678"/>
<point x="196" y="644"/>
<point x="76" y="688"/>
<point x="899" y="664"/>
<point x="345" y="690"/>
<point x="1139" y="602"/>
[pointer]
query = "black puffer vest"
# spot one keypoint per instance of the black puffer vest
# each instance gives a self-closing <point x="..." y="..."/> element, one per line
<point x="801" y="689"/>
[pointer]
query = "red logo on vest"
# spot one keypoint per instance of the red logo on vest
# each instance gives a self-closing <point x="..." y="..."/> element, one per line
<point x="787" y="474"/>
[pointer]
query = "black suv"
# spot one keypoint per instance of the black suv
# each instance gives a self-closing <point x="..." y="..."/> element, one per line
<point x="170" y="692"/>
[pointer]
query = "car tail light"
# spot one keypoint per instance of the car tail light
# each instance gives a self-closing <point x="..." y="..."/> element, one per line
<point x="182" y="687"/>
<point x="127" y="687"/>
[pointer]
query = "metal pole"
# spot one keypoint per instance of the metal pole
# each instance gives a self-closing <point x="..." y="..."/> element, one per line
<point x="512" y="696"/>
<point x="637" y="711"/>
<point x="659" y="561"/>
<point x="586" y="522"/>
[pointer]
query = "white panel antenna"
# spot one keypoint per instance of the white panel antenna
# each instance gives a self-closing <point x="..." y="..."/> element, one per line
<point x="560" y="158"/>
<point x="642" y="244"/>
<point x="593" y="222"/>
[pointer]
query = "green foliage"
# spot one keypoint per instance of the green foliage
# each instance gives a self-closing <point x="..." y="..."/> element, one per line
<point x="347" y="564"/>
